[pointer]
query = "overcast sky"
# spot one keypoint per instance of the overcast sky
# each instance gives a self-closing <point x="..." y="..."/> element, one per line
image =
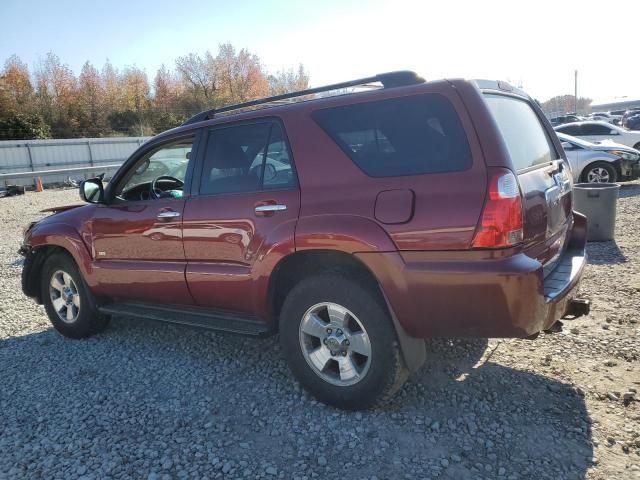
<point x="536" y="43"/>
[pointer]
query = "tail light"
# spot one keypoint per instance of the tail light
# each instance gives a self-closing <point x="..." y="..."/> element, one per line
<point x="501" y="221"/>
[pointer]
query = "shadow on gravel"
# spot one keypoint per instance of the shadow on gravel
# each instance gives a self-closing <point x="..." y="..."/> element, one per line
<point x="629" y="190"/>
<point x="145" y="398"/>
<point x="602" y="253"/>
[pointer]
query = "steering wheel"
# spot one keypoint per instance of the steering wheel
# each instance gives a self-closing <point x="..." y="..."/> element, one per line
<point x="157" y="192"/>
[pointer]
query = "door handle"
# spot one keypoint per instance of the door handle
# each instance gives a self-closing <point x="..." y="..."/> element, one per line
<point x="270" y="208"/>
<point x="167" y="215"/>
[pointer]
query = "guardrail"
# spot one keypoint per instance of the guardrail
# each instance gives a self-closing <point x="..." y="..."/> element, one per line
<point x="58" y="171"/>
<point x="23" y="161"/>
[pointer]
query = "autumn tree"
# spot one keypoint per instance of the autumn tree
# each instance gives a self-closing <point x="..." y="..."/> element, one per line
<point x="91" y="98"/>
<point x="54" y="102"/>
<point x="16" y="90"/>
<point x="56" y="96"/>
<point x="200" y="75"/>
<point x="242" y="77"/>
<point x="561" y="104"/>
<point x="291" y="80"/>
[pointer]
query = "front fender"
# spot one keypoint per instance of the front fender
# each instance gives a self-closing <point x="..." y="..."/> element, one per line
<point x="67" y="237"/>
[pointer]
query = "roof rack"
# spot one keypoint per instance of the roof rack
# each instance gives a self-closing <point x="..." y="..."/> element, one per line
<point x="388" y="80"/>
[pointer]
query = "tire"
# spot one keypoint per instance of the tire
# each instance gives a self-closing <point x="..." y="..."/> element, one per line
<point x="359" y="318"/>
<point x="637" y="145"/>
<point x="599" y="170"/>
<point x="69" y="304"/>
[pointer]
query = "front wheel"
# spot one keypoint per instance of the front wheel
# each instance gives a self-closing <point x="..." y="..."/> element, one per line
<point x="69" y="303"/>
<point x="340" y="342"/>
<point x="599" y="172"/>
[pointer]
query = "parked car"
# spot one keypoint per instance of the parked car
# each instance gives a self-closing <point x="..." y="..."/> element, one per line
<point x="599" y="131"/>
<point x="606" y="162"/>
<point x="627" y="115"/>
<point x="633" y="122"/>
<point x="565" y="119"/>
<point x="605" y="117"/>
<point x="420" y="209"/>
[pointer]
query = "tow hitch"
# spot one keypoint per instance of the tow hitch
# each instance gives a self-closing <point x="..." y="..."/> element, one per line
<point x="578" y="307"/>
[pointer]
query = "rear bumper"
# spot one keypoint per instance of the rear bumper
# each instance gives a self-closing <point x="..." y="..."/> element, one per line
<point x="472" y="294"/>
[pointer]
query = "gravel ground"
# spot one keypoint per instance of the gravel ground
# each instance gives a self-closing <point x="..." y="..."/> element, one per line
<point x="148" y="400"/>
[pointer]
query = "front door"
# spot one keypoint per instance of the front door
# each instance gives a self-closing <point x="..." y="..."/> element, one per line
<point x="246" y="207"/>
<point x="137" y="235"/>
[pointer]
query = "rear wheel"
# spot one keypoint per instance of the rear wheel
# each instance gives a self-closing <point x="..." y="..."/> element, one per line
<point x="599" y="172"/>
<point x="340" y="343"/>
<point x="67" y="300"/>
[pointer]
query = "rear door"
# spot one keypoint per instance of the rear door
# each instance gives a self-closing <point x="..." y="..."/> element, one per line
<point x="542" y="173"/>
<point x="247" y="206"/>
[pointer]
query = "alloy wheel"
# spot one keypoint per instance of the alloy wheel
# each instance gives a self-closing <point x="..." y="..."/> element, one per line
<point x="64" y="296"/>
<point x="598" y="175"/>
<point x="335" y="344"/>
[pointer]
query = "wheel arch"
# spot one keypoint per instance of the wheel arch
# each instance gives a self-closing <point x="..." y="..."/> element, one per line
<point x="300" y="265"/>
<point x="46" y="240"/>
<point x="613" y="164"/>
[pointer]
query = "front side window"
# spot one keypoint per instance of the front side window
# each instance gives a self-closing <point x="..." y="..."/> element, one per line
<point x="246" y="158"/>
<point x="401" y="136"/>
<point x="526" y="140"/>
<point x="158" y="174"/>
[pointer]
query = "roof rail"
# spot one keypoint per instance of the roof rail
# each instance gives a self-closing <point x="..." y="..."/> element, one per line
<point x="389" y="80"/>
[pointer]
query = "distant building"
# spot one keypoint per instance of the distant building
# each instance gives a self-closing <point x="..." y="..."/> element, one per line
<point x="616" y="104"/>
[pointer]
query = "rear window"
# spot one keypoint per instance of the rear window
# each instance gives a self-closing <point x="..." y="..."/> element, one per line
<point x="526" y="139"/>
<point x="403" y="136"/>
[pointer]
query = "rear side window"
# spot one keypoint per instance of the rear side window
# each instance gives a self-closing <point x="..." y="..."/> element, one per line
<point x="404" y="136"/>
<point x="526" y="139"/>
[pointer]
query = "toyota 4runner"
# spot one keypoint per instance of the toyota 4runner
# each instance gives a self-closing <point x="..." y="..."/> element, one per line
<point x="353" y="225"/>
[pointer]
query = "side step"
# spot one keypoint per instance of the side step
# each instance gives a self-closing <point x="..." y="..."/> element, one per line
<point x="192" y="316"/>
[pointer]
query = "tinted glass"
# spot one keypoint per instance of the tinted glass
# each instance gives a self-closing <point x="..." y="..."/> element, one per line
<point x="526" y="139"/>
<point x="405" y="136"/>
<point x="275" y="169"/>
<point x="246" y="158"/>
<point x="569" y="129"/>
<point x="594" y="129"/>
<point x="228" y="163"/>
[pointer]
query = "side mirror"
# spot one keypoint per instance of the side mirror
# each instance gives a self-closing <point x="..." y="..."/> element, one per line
<point x="567" y="145"/>
<point x="614" y="132"/>
<point x="92" y="191"/>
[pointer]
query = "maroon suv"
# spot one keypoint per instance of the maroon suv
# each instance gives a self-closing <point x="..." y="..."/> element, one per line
<point x="354" y="225"/>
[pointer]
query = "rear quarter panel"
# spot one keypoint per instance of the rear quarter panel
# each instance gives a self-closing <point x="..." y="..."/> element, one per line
<point x="447" y="205"/>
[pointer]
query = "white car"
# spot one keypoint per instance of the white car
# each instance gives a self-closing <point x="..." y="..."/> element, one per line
<point x="597" y="132"/>
<point x="605" y="162"/>
<point x="605" y="117"/>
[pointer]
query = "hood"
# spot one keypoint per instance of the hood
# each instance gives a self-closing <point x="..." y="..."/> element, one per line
<point x="74" y="215"/>
<point x="62" y="208"/>
<point x="611" y="145"/>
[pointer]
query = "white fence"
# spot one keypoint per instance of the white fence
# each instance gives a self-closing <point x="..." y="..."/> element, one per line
<point x="57" y="160"/>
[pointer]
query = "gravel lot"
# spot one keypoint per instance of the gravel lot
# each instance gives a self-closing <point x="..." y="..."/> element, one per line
<point x="148" y="400"/>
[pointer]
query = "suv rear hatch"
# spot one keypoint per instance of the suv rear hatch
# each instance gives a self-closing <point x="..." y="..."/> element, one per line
<point x="543" y="176"/>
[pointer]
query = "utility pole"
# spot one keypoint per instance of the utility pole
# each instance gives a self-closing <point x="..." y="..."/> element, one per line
<point x="575" y="91"/>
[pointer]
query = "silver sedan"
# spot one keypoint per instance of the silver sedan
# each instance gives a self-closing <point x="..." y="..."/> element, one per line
<point x="604" y="162"/>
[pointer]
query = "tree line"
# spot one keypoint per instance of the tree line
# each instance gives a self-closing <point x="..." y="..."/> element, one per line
<point x="52" y="102"/>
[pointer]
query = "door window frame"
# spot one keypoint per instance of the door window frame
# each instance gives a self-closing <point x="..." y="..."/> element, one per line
<point x="149" y="147"/>
<point x="202" y="151"/>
